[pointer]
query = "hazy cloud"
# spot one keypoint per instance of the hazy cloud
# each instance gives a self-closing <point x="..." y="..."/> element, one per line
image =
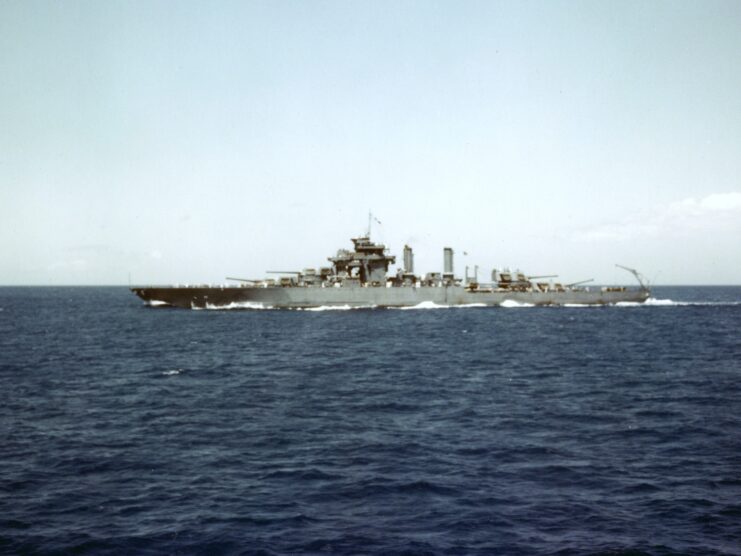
<point x="69" y="265"/>
<point x="718" y="211"/>
<point x="94" y="247"/>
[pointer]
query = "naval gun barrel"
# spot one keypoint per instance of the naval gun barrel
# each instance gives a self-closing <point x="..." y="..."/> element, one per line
<point x="242" y="280"/>
<point x="579" y="283"/>
<point x="543" y="276"/>
<point x="283" y="272"/>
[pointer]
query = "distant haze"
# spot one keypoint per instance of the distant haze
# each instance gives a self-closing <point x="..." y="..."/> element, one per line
<point x="183" y="142"/>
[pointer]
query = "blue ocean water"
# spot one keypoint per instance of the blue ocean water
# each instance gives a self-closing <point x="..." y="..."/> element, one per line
<point x="126" y="429"/>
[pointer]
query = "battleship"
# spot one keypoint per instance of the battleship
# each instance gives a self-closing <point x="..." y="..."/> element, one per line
<point x="359" y="278"/>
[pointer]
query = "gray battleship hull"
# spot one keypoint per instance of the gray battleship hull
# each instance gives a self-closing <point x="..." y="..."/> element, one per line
<point x="359" y="278"/>
<point x="277" y="297"/>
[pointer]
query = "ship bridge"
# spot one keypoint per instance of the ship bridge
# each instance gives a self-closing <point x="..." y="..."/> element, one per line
<point x="368" y="263"/>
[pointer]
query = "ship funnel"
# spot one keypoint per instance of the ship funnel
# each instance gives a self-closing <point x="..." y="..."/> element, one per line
<point x="448" y="260"/>
<point x="408" y="260"/>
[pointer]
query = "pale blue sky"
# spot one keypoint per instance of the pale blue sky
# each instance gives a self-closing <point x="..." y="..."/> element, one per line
<point x="188" y="141"/>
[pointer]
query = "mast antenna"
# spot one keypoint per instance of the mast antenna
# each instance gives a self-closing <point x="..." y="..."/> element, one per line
<point x="371" y="218"/>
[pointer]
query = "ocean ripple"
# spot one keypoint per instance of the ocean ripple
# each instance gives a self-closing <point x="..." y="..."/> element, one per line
<point x="538" y="431"/>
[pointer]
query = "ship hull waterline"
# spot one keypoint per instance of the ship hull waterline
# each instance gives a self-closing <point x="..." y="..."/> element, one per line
<point x="200" y="297"/>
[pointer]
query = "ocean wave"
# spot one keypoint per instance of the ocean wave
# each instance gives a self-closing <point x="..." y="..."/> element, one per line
<point x="660" y="302"/>
<point x="235" y="305"/>
<point x="509" y="303"/>
<point x="336" y="308"/>
<point x="424" y="305"/>
<point x="653" y="302"/>
<point x="433" y="305"/>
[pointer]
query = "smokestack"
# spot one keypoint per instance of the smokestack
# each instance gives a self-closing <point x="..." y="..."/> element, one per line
<point x="408" y="260"/>
<point x="448" y="260"/>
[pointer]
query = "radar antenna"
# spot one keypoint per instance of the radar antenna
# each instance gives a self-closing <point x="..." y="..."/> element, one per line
<point x="642" y="280"/>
